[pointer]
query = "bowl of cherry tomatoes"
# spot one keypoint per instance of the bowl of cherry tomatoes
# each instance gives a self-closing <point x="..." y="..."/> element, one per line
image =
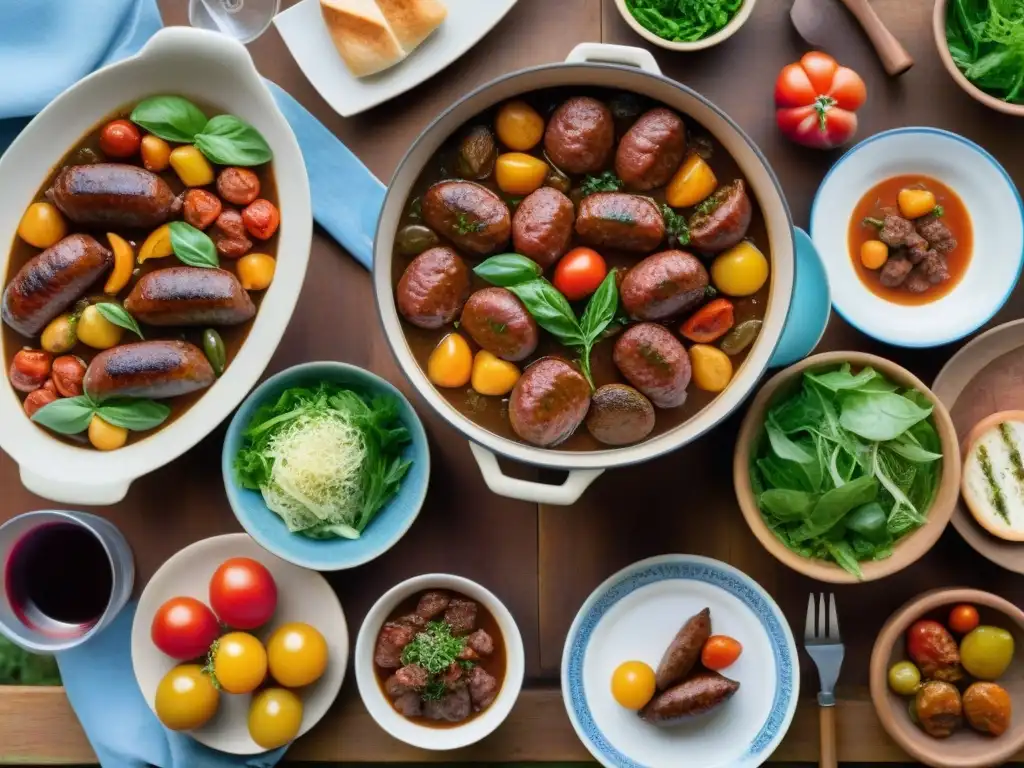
<point x="242" y="650"/>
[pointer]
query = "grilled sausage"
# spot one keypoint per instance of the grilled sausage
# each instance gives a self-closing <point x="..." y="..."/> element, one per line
<point x="542" y="226"/>
<point x="619" y="415"/>
<point x="153" y="369"/>
<point x="499" y="323"/>
<point x="655" y="362"/>
<point x="190" y="296"/>
<point x="684" y="650"/>
<point x="618" y="220"/>
<point x="113" y="195"/>
<point x="580" y="135"/>
<point x="468" y="214"/>
<point x="725" y="221"/>
<point x="549" y="402"/>
<point x="664" y="285"/>
<point x="52" y="281"/>
<point x="651" y="150"/>
<point x="433" y="288"/>
<point x="696" y="696"/>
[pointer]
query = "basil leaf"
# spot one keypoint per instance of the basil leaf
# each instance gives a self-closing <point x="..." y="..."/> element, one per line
<point x="169" y="117"/>
<point x="136" y="415"/>
<point x="193" y="246"/>
<point x="601" y="308"/>
<point x="880" y="416"/>
<point x="66" y="416"/>
<point x="226" y="140"/>
<point x="508" y="269"/>
<point x="550" y="309"/>
<point x="119" y="316"/>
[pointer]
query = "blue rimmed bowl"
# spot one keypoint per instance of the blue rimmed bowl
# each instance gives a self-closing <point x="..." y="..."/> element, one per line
<point x="386" y="528"/>
<point x="633" y="616"/>
<point x="997" y="217"/>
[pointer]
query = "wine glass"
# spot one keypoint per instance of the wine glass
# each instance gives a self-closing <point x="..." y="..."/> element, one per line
<point x="244" y="20"/>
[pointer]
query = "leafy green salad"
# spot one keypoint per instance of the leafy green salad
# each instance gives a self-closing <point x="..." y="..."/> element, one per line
<point x="986" y="40"/>
<point x="849" y="465"/>
<point x="683" y="21"/>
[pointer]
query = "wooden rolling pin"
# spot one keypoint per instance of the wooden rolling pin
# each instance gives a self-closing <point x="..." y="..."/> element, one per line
<point x="810" y="22"/>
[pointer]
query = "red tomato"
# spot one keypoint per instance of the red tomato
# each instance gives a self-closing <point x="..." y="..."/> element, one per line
<point x="579" y="273"/>
<point x="119" y="138"/>
<point x="710" y="322"/>
<point x="184" y="628"/>
<point x="816" y="99"/>
<point x="243" y="593"/>
<point x="963" y="618"/>
<point x="720" y="651"/>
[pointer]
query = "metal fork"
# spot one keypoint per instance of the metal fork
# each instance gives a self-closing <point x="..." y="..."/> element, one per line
<point x="825" y="647"/>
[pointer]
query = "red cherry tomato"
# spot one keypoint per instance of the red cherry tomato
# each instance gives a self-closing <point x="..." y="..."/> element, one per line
<point x="815" y="101"/>
<point x="720" y="651"/>
<point x="119" y="138"/>
<point x="710" y="322"/>
<point x="243" y="593"/>
<point x="963" y="618"/>
<point x="184" y="628"/>
<point x="579" y="273"/>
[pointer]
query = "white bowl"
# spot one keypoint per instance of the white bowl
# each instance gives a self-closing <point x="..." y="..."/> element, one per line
<point x="997" y="215"/>
<point x="214" y="70"/>
<point x="302" y="595"/>
<point x="724" y="33"/>
<point x="377" y="703"/>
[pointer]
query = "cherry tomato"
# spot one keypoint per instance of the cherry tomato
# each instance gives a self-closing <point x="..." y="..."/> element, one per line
<point x="184" y="628"/>
<point x="120" y="138"/>
<point x="633" y="684"/>
<point x="710" y="322"/>
<point x="720" y="651"/>
<point x="186" y="698"/>
<point x="963" y="618"/>
<point x="239" y="662"/>
<point x="275" y="717"/>
<point x="816" y="100"/>
<point x="579" y="273"/>
<point x="297" y="655"/>
<point x="243" y="593"/>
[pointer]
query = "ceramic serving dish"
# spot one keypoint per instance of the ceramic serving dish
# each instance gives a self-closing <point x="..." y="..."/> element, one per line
<point x="211" y="69"/>
<point x="302" y="595"/>
<point x="997" y="217"/>
<point x="387" y="527"/>
<point x="721" y="35"/>
<point x="966" y="748"/>
<point x="451" y="736"/>
<point x="908" y="549"/>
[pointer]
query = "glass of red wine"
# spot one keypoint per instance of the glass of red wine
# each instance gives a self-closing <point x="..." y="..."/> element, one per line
<point x="65" y="576"/>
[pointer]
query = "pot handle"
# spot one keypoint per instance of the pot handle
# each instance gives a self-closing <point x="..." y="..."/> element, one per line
<point x="525" y="490"/>
<point x="75" y="492"/>
<point x="605" y="53"/>
<point x="810" y="307"/>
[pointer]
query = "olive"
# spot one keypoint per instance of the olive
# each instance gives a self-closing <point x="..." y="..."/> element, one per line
<point x="213" y="346"/>
<point x="740" y="337"/>
<point x="414" y="239"/>
<point x="558" y="180"/>
<point x="477" y="153"/>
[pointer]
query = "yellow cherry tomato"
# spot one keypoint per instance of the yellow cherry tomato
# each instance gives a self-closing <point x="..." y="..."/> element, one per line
<point x="239" y="662"/>
<point x="692" y="183"/>
<point x="186" y="698"/>
<point x="874" y="254"/>
<point x="42" y="225"/>
<point x="157" y="245"/>
<point x="156" y="153"/>
<point x="915" y="203"/>
<point x="275" y="716"/>
<point x="986" y="652"/>
<point x="105" y="436"/>
<point x="519" y="174"/>
<point x="256" y="271"/>
<point x="633" y="684"/>
<point x="519" y="126"/>
<point x="94" y="330"/>
<point x="59" y="336"/>
<point x="740" y="271"/>
<point x="451" y="362"/>
<point x="191" y="165"/>
<point x="124" y="263"/>
<point x="492" y="375"/>
<point x="296" y="655"/>
<point x="712" y="368"/>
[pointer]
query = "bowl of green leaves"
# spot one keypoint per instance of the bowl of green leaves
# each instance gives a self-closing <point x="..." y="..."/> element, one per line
<point x="847" y="467"/>
<point x="685" y="25"/>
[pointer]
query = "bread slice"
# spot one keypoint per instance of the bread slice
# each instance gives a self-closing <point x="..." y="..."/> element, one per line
<point x="412" y="21"/>
<point x="992" y="482"/>
<point x="362" y="35"/>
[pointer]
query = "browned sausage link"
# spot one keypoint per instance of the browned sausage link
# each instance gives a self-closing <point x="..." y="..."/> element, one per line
<point x="651" y="150"/>
<point x="499" y="323"/>
<point x="684" y="650"/>
<point x="433" y="288"/>
<point x="655" y="362"/>
<point x="664" y="285"/>
<point x="701" y="693"/>
<point x="618" y="220"/>
<point x="190" y="296"/>
<point x="467" y="214"/>
<point x="152" y="369"/>
<point x="542" y="226"/>
<point x="52" y="281"/>
<point x="113" y="194"/>
<point x="580" y="135"/>
<point x="549" y="402"/>
<point x="724" y="220"/>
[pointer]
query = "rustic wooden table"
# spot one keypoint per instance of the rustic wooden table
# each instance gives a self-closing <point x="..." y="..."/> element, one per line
<point x="544" y="561"/>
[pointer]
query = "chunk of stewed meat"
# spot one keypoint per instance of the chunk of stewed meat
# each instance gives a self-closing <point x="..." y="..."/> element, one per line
<point x="391" y="642"/>
<point x="481" y="642"/>
<point x="500" y="323"/>
<point x="895" y="271"/>
<point x="461" y="616"/>
<point x="896" y="230"/>
<point x="453" y="707"/>
<point x="617" y="220"/>
<point x="917" y="282"/>
<point x="433" y="288"/>
<point x="413" y="620"/>
<point x="579" y="136"/>
<point x="917" y="248"/>
<point x="411" y="677"/>
<point x="933" y="266"/>
<point x="933" y="229"/>
<point x="542" y="226"/>
<point x="664" y="285"/>
<point x="452" y="677"/>
<point x="651" y="150"/>
<point x="548" y="402"/>
<point x="468" y="654"/>
<point x="483" y="688"/>
<point x="409" y="704"/>
<point x="655" y="362"/>
<point x="619" y="415"/>
<point x="722" y="220"/>
<point x="469" y="215"/>
<point x="432" y="603"/>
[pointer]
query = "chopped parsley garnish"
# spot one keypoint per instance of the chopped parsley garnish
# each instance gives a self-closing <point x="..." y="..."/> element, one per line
<point x="603" y="182"/>
<point x="465" y="224"/>
<point x="675" y="225"/>
<point x="709" y="205"/>
<point x="938" y="211"/>
<point x="434" y="691"/>
<point x="995" y="493"/>
<point x="434" y="648"/>
<point x="623" y="217"/>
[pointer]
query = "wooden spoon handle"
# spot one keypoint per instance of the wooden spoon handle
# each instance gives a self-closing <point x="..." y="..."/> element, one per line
<point x="894" y="56"/>
<point x="827" y="719"/>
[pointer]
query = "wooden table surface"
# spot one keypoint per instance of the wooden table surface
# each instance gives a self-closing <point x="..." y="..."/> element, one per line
<point x="543" y="562"/>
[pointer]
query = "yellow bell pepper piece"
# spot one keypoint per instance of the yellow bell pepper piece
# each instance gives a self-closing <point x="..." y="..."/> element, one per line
<point x="124" y="263"/>
<point x="157" y="245"/>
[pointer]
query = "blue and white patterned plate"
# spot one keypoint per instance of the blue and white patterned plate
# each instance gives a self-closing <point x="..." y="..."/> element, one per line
<point x="633" y="616"/>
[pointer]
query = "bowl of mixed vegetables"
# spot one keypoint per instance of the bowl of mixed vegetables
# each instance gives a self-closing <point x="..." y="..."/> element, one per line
<point x="847" y="467"/>
<point x="685" y="25"/>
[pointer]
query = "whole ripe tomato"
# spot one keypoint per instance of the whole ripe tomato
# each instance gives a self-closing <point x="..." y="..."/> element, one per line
<point x="186" y="698"/>
<point x="816" y="99"/>
<point x="579" y="273"/>
<point x="934" y="650"/>
<point x="275" y="717"/>
<point x="243" y="593"/>
<point x="239" y="662"/>
<point x="963" y="618"/>
<point x="720" y="651"/>
<point x="297" y="655"/>
<point x="184" y="628"/>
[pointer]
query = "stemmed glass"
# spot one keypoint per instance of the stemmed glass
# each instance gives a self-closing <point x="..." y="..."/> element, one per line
<point x="244" y="20"/>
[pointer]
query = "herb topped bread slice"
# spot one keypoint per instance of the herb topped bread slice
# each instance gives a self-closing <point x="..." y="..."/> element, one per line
<point x="993" y="478"/>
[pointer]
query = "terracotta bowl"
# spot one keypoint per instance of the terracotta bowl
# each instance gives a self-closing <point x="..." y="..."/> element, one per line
<point x="966" y="748"/>
<point x="909" y="548"/>
<point x="939" y="30"/>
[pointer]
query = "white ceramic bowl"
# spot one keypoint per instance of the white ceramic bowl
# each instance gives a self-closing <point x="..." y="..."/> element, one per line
<point x="302" y="595"/>
<point x="996" y="213"/>
<point x="721" y="35"/>
<point x="214" y="70"/>
<point x="377" y="703"/>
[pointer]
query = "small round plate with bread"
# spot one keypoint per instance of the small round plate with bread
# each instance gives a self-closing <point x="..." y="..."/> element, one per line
<point x="360" y="53"/>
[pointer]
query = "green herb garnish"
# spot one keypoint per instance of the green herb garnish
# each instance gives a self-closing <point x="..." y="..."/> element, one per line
<point x="710" y="205"/>
<point x="623" y="217"/>
<point x="466" y="224"/>
<point x="675" y="225"/>
<point x="683" y="21"/>
<point x="434" y="649"/>
<point x="603" y="182"/>
<point x="193" y="246"/>
<point x="71" y="415"/>
<point x="938" y="211"/>
<point x="119" y="316"/>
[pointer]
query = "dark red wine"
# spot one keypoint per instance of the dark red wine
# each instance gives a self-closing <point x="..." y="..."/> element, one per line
<point x="61" y="572"/>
